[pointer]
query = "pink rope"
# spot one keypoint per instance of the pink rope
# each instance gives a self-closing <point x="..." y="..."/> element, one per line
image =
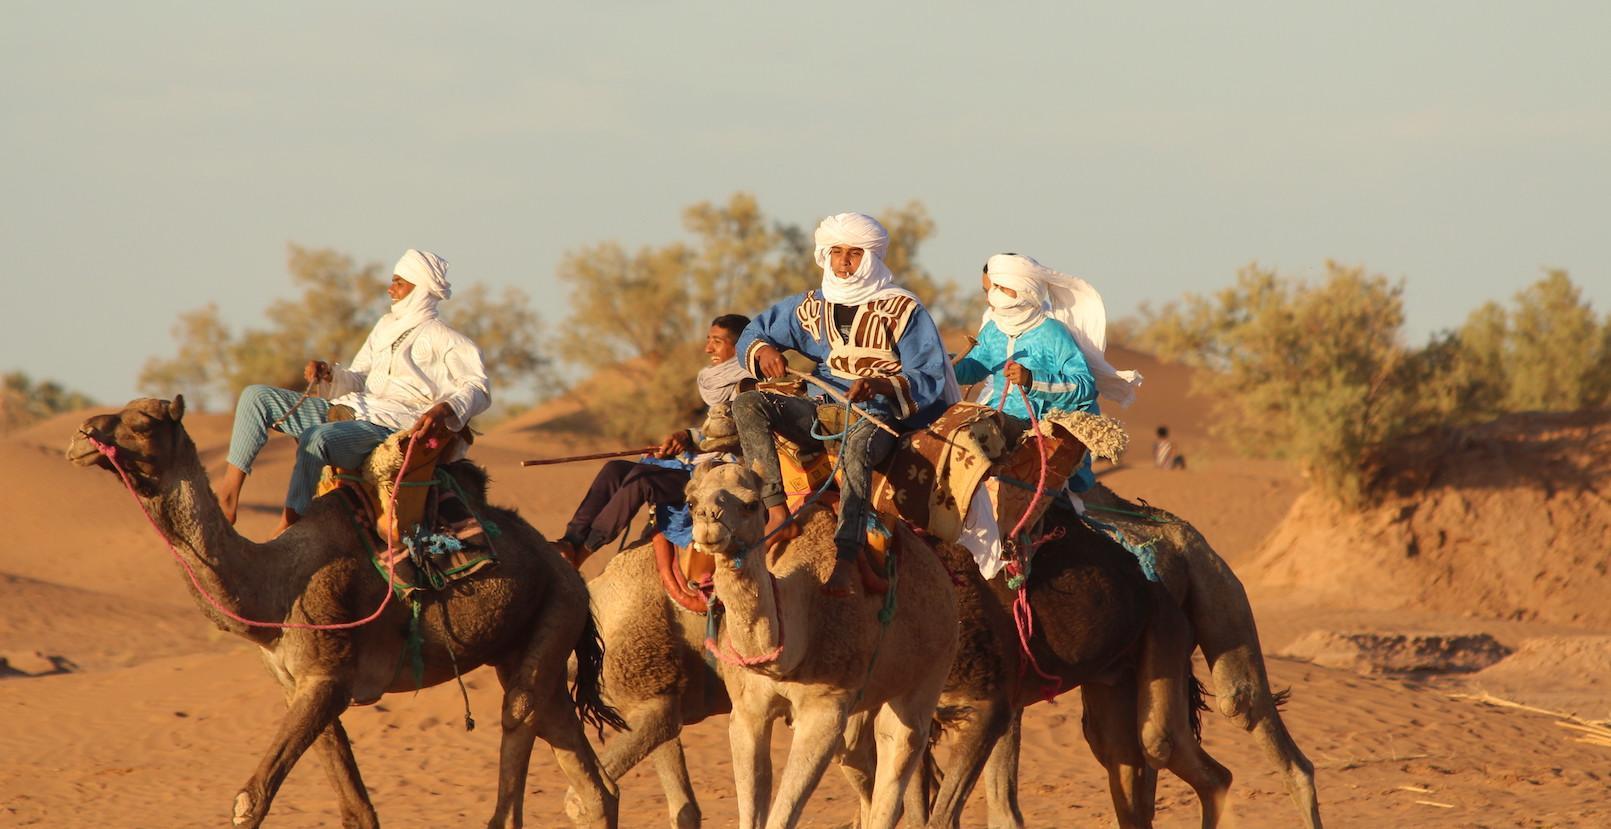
<point x="110" y="451"/>
<point x="1023" y="614"/>
<point x="726" y="652"/>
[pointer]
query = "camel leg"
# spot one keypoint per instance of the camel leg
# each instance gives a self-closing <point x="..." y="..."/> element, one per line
<point x="672" y="767"/>
<point x="818" y="733"/>
<point x="313" y="707"/>
<point x="1108" y="723"/>
<point x="859" y="762"/>
<point x="335" y="750"/>
<point x="1001" y="776"/>
<point x="1242" y="689"/>
<point x="1164" y="701"/>
<point x="975" y="739"/>
<point x="535" y="704"/>
<point x="1298" y="772"/>
<point x="749" y="735"/>
<point x="650" y="723"/>
<point x="902" y="729"/>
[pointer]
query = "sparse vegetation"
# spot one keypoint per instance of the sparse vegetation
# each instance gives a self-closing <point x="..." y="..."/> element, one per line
<point x="1320" y="373"/>
<point x="638" y="317"/>
<point x="24" y="400"/>
<point x="339" y="303"/>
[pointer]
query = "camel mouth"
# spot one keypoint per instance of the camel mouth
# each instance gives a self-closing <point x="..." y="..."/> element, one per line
<point x="81" y="452"/>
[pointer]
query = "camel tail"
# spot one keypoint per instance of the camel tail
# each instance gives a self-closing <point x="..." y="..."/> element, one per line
<point x="1281" y="698"/>
<point x="1197" y="697"/>
<point x="587" y="687"/>
<point x="946" y="716"/>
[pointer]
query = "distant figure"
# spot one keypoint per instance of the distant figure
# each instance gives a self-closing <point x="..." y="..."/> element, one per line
<point x="1163" y="452"/>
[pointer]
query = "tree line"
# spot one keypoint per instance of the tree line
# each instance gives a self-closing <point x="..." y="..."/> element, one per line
<point x="1320" y="372"/>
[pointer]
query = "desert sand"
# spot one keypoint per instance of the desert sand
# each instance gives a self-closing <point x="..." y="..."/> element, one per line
<point x="123" y="707"/>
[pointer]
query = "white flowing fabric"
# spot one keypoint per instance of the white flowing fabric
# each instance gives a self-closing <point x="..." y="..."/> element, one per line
<point x="1074" y="303"/>
<point x="412" y="360"/>
<point x="871" y="279"/>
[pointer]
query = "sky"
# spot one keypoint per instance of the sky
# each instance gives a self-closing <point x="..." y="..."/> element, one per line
<point x="161" y="156"/>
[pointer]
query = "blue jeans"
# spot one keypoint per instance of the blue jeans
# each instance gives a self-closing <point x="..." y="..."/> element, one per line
<point x="757" y="414"/>
<point x="320" y="443"/>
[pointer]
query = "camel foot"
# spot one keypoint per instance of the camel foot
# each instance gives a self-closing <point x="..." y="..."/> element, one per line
<point x="242" y="815"/>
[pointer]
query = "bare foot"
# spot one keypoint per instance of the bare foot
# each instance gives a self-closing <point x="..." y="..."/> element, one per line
<point x="842" y="582"/>
<point x="573" y="553"/>
<point x="287" y="518"/>
<point x="229" y="502"/>
<point x="778" y="517"/>
<point x="228" y="491"/>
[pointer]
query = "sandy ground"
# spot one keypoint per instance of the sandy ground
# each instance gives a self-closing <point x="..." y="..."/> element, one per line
<point x="123" y="707"/>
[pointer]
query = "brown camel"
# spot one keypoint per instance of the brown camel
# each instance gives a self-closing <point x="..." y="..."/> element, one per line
<point x="794" y="651"/>
<point x="1222" y="619"/>
<point x="525" y="617"/>
<point x="1099" y="626"/>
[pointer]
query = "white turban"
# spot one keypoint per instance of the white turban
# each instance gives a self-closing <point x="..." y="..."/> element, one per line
<point x="1074" y="303"/>
<point x="425" y="270"/>
<point x="872" y="278"/>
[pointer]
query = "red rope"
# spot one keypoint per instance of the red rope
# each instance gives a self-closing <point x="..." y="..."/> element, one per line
<point x="727" y="653"/>
<point x="110" y="451"/>
<point x="1023" y="614"/>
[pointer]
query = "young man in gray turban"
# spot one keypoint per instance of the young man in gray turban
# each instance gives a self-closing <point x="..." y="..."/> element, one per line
<point x="872" y="341"/>
<point x="412" y="372"/>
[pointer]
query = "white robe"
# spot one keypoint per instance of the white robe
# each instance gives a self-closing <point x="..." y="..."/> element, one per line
<point x="433" y="364"/>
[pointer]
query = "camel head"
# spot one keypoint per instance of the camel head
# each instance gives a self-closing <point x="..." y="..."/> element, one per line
<point x="146" y="436"/>
<point x="725" y="500"/>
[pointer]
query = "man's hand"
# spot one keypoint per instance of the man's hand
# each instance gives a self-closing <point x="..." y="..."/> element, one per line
<point x="675" y="444"/>
<point x="1017" y="373"/>
<point x="866" y="387"/>
<point x="772" y="363"/>
<point x="434" y="419"/>
<point x="316" y="371"/>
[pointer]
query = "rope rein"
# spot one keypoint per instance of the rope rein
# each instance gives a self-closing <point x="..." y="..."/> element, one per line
<point x="1023" y="614"/>
<point x="111" y="451"/>
<point x="725" y="651"/>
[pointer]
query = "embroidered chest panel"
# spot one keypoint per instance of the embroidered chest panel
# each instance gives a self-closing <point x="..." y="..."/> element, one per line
<point x="869" y="351"/>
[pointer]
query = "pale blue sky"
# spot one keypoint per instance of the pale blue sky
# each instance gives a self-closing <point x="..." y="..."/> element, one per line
<point x="158" y="156"/>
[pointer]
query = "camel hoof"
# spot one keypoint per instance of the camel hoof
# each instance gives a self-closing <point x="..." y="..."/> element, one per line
<point x="243" y="810"/>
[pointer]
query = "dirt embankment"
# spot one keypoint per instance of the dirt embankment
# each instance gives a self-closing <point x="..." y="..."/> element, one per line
<point x="1509" y="520"/>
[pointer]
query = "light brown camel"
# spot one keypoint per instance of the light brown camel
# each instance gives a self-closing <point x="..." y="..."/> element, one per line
<point x="655" y="675"/>
<point x="815" y="658"/>
<point x="525" y="617"/>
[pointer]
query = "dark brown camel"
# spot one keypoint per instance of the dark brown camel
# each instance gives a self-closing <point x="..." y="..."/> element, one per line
<point x="525" y="616"/>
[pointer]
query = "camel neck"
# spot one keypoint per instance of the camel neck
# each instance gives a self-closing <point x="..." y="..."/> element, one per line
<point x="753" y="620"/>
<point x="239" y="574"/>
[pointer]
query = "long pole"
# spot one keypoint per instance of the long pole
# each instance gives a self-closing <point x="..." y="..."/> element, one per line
<point x="834" y="393"/>
<point x="593" y="457"/>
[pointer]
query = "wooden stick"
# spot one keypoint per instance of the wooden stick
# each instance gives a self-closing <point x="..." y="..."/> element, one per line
<point x="834" y="393"/>
<point x="593" y="457"/>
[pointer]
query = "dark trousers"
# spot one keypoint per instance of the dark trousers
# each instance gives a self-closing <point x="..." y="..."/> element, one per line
<point x="757" y="414"/>
<point x="619" y="490"/>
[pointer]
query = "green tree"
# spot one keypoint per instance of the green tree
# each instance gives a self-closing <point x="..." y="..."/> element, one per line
<point x="637" y="317"/>
<point x="337" y="303"/>
<point x="1554" y="349"/>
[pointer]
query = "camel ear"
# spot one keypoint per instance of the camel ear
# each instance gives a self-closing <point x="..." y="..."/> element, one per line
<point x="176" y="409"/>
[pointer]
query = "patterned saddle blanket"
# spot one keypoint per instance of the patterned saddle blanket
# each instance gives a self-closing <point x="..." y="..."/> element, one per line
<point x="430" y="534"/>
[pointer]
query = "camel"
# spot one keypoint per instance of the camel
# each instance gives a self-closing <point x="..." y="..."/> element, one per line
<point x="1099" y="626"/>
<point x="790" y="650"/>
<point x="1221" y="617"/>
<point x="655" y="675"/>
<point x="525" y="617"/>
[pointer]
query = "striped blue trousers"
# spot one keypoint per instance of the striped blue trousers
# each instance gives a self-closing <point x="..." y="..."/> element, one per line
<point x="320" y="443"/>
